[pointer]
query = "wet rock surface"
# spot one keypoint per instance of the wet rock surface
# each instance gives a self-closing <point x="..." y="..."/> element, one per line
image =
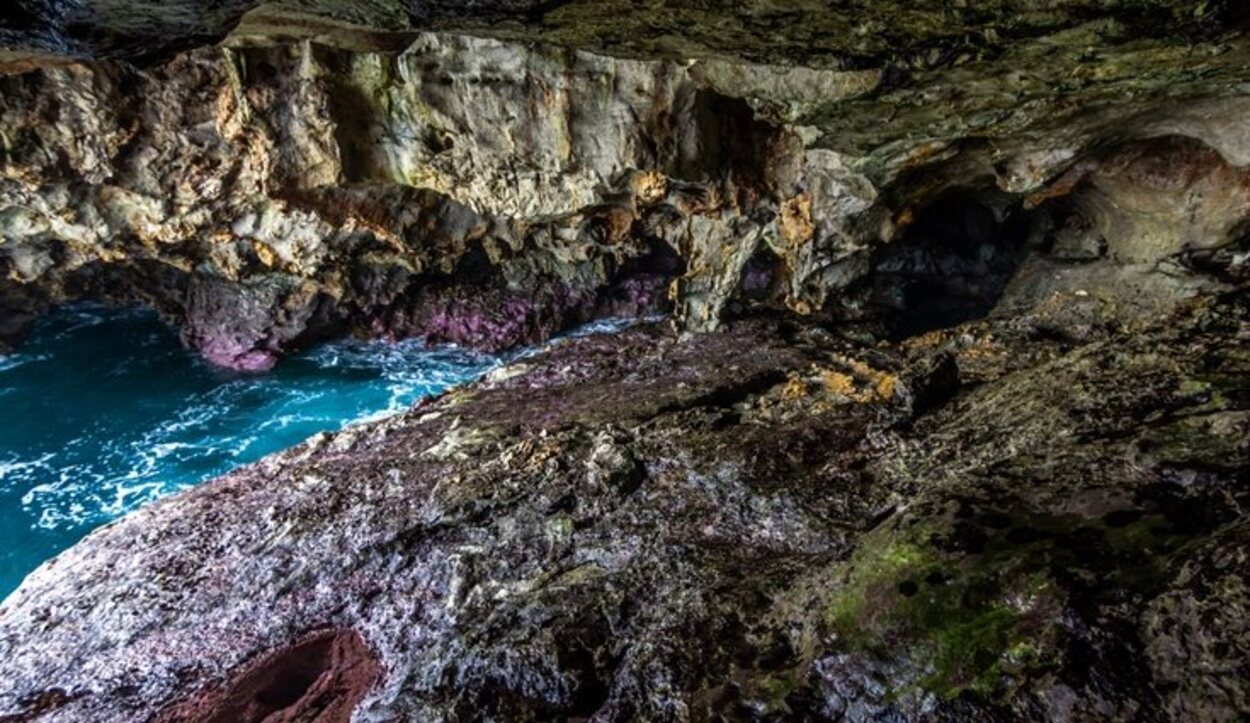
<point x="767" y="522"/>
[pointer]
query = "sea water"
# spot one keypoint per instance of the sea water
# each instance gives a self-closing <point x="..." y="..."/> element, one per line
<point x="102" y="410"/>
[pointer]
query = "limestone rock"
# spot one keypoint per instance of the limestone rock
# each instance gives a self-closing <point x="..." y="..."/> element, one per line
<point x="954" y="427"/>
<point x="632" y="527"/>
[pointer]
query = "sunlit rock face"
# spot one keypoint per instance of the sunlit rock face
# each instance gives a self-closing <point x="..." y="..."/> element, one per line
<point x="314" y="185"/>
<point x="492" y="192"/>
<point x="947" y="420"/>
<point x="256" y="196"/>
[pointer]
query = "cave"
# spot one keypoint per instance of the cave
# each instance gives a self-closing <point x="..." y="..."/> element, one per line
<point x="383" y="360"/>
<point x="951" y="264"/>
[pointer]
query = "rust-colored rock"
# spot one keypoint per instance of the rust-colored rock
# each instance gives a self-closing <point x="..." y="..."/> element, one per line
<point x="317" y="679"/>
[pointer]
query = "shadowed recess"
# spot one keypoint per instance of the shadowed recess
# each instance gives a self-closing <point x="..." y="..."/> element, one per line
<point x="318" y="679"/>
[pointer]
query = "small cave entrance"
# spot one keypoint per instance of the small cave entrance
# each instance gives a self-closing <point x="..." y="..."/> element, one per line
<point x="640" y="284"/>
<point x="319" y="679"/>
<point x="761" y="275"/>
<point x="719" y="138"/>
<point x="1239" y="16"/>
<point x="952" y="262"/>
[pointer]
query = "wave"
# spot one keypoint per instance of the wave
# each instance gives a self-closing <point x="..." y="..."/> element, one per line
<point x="117" y="414"/>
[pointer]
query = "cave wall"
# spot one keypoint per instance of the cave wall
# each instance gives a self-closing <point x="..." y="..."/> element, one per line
<point x="956" y="427"/>
<point x="327" y="185"/>
<point x="320" y="174"/>
<point x="315" y="182"/>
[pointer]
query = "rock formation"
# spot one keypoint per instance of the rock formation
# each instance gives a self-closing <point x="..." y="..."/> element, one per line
<point x="262" y="193"/>
<point x="949" y="419"/>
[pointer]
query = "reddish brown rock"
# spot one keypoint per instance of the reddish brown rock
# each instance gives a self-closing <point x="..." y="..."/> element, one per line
<point x="319" y="678"/>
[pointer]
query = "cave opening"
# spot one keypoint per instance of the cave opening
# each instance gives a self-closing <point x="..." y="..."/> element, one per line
<point x="1239" y="16"/>
<point x="952" y="262"/>
<point x="761" y="275"/>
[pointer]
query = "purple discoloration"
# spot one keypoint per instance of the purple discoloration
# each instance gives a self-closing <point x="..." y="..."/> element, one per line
<point x="248" y="329"/>
<point x="232" y="355"/>
<point x="494" y="319"/>
<point x="637" y="296"/>
<point x="244" y="327"/>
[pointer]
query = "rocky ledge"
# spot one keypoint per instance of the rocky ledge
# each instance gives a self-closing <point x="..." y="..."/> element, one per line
<point x="949" y="419"/>
<point x="772" y="521"/>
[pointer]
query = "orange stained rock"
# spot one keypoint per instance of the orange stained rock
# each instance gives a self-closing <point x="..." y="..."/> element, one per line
<point x="796" y="223"/>
<point x="650" y="186"/>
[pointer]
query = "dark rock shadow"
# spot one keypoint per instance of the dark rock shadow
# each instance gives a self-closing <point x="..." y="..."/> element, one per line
<point x="319" y="679"/>
<point x="952" y="263"/>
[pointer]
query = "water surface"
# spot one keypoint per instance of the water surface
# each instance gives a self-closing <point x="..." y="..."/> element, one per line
<point x="104" y="411"/>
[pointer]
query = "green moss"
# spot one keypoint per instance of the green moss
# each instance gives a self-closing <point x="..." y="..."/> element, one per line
<point x="964" y="623"/>
<point x="983" y="621"/>
<point x="875" y="578"/>
<point x="560" y="527"/>
<point x="772" y="690"/>
<point x="1146" y="549"/>
<point x="1142" y="536"/>
<point x="1208" y="437"/>
<point x="966" y="651"/>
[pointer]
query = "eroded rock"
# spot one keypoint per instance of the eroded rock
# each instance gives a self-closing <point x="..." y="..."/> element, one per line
<point x="369" y="183"/>
<point x="955" y="427"/>
<point x="321" y="677"/>
<point x="759" y="523"/>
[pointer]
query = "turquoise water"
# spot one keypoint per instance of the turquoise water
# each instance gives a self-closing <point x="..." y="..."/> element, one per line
<point x="103" y="411"/>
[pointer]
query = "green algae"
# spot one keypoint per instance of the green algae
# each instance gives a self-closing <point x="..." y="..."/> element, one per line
<point x="772" y="690"/>
<point x="966" y="622"/>
<point x="983" y="620"/>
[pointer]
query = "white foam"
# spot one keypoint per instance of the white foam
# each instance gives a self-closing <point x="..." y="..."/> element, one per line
<point x="13" y="361"/>
<point x="232" y="421"/>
